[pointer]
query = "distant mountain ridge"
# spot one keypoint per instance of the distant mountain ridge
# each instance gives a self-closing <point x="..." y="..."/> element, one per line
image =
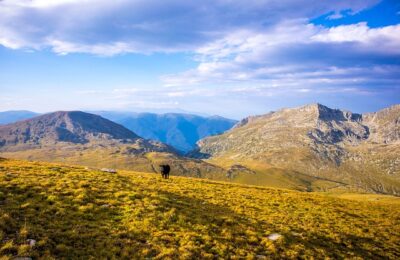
<point x="315" y="140"/>
<point x="12" y="116"/>
<point x="181" y="131"/>
<point x="178" y="130"/>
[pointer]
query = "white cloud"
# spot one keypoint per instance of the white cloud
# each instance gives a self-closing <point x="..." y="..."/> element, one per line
<point x="64" y="48"/>
<point x="42" y="3"/>
<point x="297" y="54"/>
<point x="374" y="37"/>
<point x="104" y="27"/>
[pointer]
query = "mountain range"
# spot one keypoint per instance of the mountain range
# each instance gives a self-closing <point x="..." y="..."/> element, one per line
<point x="361" y="150"/>
<point x="81" y="138"/>
<point x="178" y="130"/>
<point x="309" y="148"/>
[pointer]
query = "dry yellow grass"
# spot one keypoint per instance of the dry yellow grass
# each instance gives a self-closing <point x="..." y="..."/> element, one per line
<point x="72" y="212"/>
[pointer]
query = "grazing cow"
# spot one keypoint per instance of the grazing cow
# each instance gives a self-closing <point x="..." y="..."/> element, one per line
<point x="165" y="169"/>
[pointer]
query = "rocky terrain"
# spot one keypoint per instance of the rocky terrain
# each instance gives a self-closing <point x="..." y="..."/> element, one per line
<point x="353" y="149"/>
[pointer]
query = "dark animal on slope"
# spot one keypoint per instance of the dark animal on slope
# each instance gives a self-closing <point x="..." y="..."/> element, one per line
<point x="165" y="169"/>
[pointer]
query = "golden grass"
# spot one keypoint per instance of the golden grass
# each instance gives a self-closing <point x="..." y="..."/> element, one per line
<point x="72" y="212"/>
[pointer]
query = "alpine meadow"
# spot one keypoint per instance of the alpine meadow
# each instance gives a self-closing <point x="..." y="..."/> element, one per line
<point x="174" y="129"/>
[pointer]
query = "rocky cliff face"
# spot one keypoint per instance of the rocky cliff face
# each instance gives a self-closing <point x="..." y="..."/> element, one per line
<point x="318" y="141"/>
<point x="384" y="125"/>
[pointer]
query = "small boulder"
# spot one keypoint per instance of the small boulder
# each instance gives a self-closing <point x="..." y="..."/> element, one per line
<point x="274" y="236"/>
<point x="31" y="242"/>
<point x="108" y="170"/>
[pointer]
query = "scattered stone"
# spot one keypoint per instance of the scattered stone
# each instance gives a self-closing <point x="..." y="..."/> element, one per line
<point x="31" y="242"/>
<point x="105" y="206"/>
<point x="108" y="170"/>
<point x="22" y="258"/>
<point x="261" y="257"/>
<point x="274" y="236"/>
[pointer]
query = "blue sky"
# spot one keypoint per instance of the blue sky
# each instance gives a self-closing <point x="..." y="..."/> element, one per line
<point x="232" y="58"/>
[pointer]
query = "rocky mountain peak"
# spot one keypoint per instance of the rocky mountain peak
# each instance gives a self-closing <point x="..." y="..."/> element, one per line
<point x="384" y="125"/>
<point x="328" y="114"/>
<point x="316" y="140"/>
<point x="63" y="126"/>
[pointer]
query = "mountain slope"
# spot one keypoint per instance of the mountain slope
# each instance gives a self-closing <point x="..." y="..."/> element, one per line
<point x="12" y="116"/>
<point x="181" y="131"/>
<point x="52" y="211"/>
<point x="73" y="127"/>
<point x="353" y="149"/>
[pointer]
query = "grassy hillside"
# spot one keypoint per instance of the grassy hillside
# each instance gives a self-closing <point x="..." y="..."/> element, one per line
<point x="119" y="156"/>
<point x="260" y="173"/>
<point x="54" y="211"/>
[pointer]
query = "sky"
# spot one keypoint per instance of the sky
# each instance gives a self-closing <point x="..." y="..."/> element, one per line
<point x="214" y="57"/>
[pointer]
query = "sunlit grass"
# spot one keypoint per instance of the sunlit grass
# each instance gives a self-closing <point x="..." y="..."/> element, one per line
<point x="71" y="212"/>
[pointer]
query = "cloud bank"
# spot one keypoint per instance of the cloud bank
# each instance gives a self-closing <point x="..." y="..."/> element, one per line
<point x="298" y="55"/>
<point x="104" y="27"/>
